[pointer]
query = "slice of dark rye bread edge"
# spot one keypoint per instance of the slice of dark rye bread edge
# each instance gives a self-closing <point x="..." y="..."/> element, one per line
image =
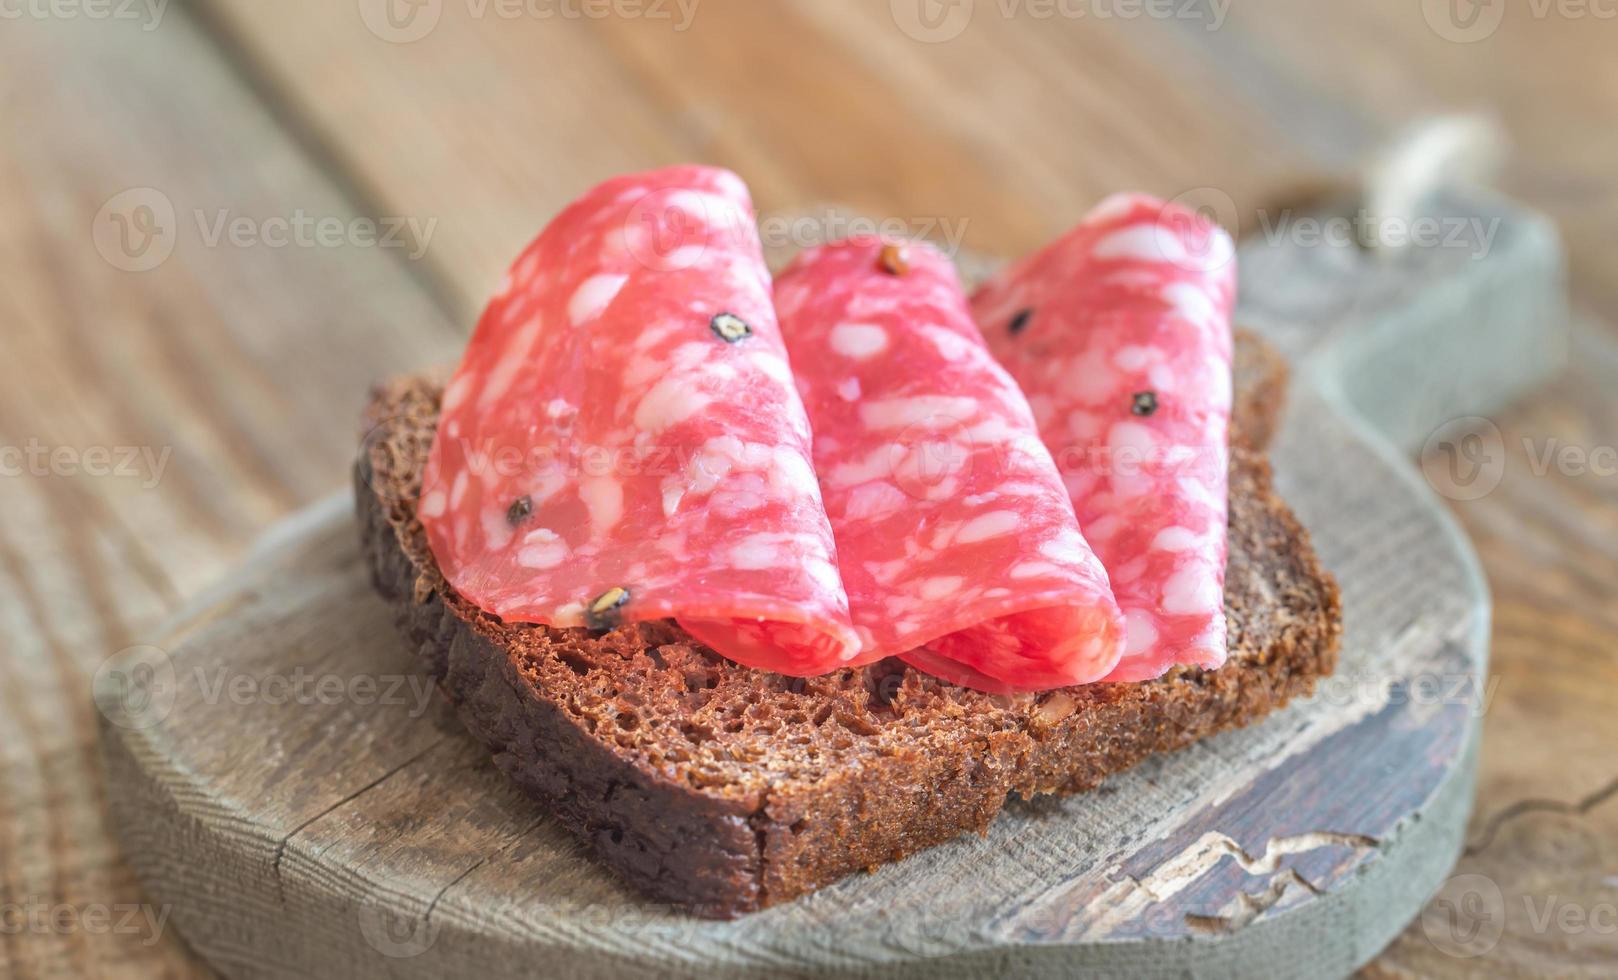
<point x="724" y="789"/>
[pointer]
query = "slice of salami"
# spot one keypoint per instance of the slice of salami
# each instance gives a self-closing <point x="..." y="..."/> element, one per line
<point x="1120" y="334"/>
<point x="623" y="440"/>
<point x="952" y="524"/>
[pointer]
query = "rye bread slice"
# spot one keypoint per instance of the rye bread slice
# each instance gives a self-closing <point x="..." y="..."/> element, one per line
<point x="724" y="789"/>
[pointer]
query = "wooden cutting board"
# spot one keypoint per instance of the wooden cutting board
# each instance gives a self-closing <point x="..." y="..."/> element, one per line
<point x="284" y="778"/>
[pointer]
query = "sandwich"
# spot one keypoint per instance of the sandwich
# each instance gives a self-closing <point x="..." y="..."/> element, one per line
<point x="757" y="581"/>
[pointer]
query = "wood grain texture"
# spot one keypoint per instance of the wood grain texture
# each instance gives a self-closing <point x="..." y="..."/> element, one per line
<point x="810" y="100"/>
<point x="1052" y="114"/>
<point x="1540" y="857"/>
<point x="1542" y="71"/>
<point x="233" y="390"/>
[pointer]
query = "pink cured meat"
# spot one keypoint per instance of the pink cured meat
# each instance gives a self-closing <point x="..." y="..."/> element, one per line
<point x="952" y="524"/>
<point x="1120" y="334"/>
<point x="625" y="418"/>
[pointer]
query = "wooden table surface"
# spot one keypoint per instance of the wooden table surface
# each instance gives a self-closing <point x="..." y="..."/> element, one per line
<point x="193" y="308"/>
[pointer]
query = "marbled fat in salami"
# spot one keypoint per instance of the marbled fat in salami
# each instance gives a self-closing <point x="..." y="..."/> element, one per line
<point x="1120" y="335"/>
<point x="623" y="440"/>
<point x="954" y="531"/>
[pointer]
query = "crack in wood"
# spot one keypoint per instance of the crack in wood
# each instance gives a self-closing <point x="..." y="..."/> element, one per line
<point x="1173" y="876"/>
<point x="427" y="916"/>
<point x="1249" y="906"/>
<point x="1579" y="808"/>
<point x="1169" y="878"/>
<point x="281" y="848"/>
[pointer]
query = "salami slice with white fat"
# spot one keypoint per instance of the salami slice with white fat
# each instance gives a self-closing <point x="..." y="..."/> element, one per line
<point x="958" y="546"/>
<point x="623" y="440"/>
<point x="1120" y="334"/>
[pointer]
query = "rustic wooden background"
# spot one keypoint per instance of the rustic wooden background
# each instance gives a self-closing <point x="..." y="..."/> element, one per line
<point x="134" y="131"/>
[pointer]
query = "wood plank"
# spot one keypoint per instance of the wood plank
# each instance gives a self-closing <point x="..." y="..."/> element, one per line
<point x="851" y="115"/>
<point x="1175" y="105"/>
<point x="55" y="843"/>
<point x="486" y="123"/>
<point x="233" y="373"/>
<point x="250" y="382"/>
<point x="1545" y="832"/>
<point x="1546" y="77"/>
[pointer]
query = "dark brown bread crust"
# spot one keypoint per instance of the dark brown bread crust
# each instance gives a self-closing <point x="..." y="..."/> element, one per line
<point x="725" y="789"/>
